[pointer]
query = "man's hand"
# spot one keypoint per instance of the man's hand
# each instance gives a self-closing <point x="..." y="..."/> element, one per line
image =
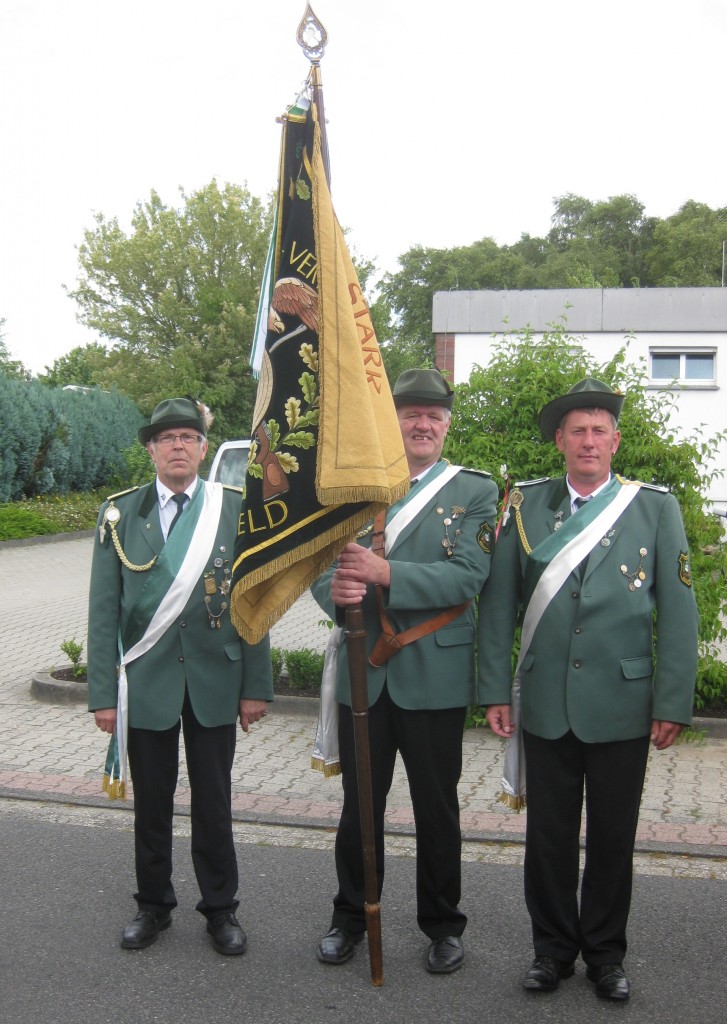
<point x="498" y="718"/>
<point x="252" y="711"/>
<point x="106" y="719"/>
<point x="357" y="568"/>
<point x="663" y="734"/>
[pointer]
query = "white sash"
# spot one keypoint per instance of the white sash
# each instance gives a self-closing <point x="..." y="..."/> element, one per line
<point x="552" y="579"/>
<point x="170" y="607"/>
<point x="568" y="559"/>
<point x="190" y="571"/>
<point x="325" y="757"/>
<point x="413" y="507"/>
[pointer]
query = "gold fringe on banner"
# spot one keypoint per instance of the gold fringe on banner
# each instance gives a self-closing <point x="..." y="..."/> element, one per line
<point x="274" y="587"/>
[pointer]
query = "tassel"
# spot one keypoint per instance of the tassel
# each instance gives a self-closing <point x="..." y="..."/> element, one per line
<point x="329" y="769"/>
<point x="111" y="783"/>
<point x="514" y="803"/>
<point x="505" y="509"/>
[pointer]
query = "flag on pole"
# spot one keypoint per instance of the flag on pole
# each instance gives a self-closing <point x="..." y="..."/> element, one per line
<point x="326" y="450"/>
<point x="263" y="309"/>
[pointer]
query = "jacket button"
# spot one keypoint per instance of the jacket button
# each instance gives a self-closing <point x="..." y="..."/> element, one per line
<point x="182" y="625"/>
<point x="577" y="663"/>
<point x="180" y="658"/>
<point x="574" y="594"/>
<point x="576" y="630"/>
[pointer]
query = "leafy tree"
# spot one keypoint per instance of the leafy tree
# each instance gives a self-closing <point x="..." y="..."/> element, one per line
<point x="491" y="430"/>
<point x="85" y="366"/>
<point x="599" y="244"/>
<point x="408" y="293"/>
<point x="687" y="248"/>
<point x="9" y="366"/>
<point x="177" y="297"/>
<point x="605" y="244"/>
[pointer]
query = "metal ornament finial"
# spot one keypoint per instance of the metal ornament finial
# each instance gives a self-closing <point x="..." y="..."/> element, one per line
<point x="312" y="36"/>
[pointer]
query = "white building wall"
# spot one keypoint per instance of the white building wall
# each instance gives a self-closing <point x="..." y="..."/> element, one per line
<point x="698" y="405"/>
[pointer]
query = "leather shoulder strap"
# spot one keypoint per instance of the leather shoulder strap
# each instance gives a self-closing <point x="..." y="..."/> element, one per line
<point x="389" y="642"/>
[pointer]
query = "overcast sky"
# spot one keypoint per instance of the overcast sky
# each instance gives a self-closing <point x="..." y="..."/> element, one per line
<point x="447" y="122"/>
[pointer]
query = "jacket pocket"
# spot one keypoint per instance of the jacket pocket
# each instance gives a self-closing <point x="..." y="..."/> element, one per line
<point x="454" y="636"/>
<point x="527" y="662"/>
<point x="636" y="668"/>
<point x="233" y="651"/>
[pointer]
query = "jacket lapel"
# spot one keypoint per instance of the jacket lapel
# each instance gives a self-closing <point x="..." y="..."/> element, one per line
<point x="418" y="521"/>
<point x="558" y="505"/>
<point x="151" y="529"/>
<point x="602" y="550"/>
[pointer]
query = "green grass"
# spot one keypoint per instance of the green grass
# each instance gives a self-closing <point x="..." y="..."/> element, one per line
<point x="53" y="513"/>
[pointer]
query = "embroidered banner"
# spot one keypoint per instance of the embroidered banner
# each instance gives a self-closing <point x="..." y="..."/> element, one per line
<point x="326" y="449"/>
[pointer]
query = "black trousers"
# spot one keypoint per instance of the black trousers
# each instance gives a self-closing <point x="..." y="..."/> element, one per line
<point x="430" y="743"/>
<point x="613" y="776"/>
<point x="154" y="765"/>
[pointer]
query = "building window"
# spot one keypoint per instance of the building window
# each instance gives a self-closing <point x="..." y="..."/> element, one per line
<point x="682" y="367"/>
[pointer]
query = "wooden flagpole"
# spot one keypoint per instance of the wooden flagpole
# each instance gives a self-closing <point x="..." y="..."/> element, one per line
<point x="312" y="37"/>
<point x="356" y="652"/>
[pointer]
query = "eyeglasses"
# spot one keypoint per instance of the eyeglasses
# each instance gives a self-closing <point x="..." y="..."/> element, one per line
<point x="167" y="440"/>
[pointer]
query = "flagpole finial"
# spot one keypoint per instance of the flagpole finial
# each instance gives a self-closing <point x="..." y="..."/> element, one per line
<point x="312" y="36"/>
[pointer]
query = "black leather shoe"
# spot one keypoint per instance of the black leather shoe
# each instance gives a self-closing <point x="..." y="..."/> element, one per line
<point x="610" y="980"/>
<point x="337" y="947"/>
<point x="445" y="955"/>
<point x="145" y="927"/>
<point x="546" y="973"/>
<point x="228" y="937"/>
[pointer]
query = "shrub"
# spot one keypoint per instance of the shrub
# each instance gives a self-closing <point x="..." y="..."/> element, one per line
<point x="73" y="650"/>
<point x="305" y="669"/>
<point x="276" y="657"/>
<point x="136" y="468"/>
<point x="55" y="441"/>
<point x="23" y="520"/>
<point x="712" y="683"/>
<point x="476" y="718"/>
<point x="48" y="514"/>
<point x="491" y="428"/>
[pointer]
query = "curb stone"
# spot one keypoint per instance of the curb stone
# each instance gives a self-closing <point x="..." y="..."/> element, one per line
<point x="45" y="688"/>
<point x="60" y="691"/>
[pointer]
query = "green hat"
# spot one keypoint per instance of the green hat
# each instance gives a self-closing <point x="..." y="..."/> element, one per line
<point x="586" y="394"/>
<point x="422" y="387"/>
<point x="175" y="412"/>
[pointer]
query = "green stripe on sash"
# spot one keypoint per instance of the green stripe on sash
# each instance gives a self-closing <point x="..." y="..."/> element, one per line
<point x="437" y="469"/>
<point x="548" y="550"/>
<point x="165" y="570"/>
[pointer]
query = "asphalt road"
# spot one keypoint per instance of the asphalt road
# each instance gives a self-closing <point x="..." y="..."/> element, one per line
<point x="66" y="879"/>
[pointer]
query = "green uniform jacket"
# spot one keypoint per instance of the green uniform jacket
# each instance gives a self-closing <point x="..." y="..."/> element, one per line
<point x="217" y="667"/>
<point x="438" y="670"/>
<point x="594" y="665"/>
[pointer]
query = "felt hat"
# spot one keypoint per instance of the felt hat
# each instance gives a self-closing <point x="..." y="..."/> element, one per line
<point x="588" y="393"/>
<point x="175" y="412"/>
<point x="422" y="387"/>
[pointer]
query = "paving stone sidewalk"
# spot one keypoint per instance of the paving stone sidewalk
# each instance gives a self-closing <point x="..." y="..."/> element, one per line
<point x="54" y="752"/>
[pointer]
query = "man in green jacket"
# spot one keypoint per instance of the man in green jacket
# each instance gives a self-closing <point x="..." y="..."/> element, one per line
<point x="587" y="558"/>
<point x="438" y="541"/>
<point x="162" y="650"/>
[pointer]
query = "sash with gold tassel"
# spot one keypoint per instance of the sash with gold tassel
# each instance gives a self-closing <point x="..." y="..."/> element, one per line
<point x="549" y="566"/>
<point x="325" y="756"/>
<point x="167" y="590"/>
